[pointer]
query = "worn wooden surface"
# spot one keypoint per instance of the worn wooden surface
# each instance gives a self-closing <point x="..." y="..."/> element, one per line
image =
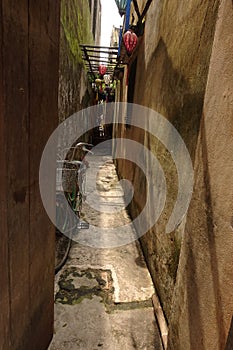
<point x="28" y="115"/>
<point x="4" y="287"/>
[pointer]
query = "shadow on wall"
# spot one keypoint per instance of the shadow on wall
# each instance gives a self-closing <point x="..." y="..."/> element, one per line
<point x="211" y="242"/>
<point x="229" y="345"/>
<point x="167" y="91"/>
<point x="201" y="250"/>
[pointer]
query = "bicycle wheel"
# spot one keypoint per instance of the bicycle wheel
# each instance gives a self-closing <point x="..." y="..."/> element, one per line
<point x="65" y="222"/>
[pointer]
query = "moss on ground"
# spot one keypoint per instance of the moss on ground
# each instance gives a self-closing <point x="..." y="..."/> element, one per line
<point x="70" y="295"/>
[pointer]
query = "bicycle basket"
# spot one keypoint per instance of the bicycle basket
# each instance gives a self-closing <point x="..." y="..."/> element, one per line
<point x="66" y="179"/>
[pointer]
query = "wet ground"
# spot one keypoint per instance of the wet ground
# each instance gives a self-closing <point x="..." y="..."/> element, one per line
<point x="103" y="296"/>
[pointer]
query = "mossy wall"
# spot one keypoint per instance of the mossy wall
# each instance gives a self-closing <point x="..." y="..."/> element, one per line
<point x="172" y="66"/>
<point x="76" y="24"/>
<point x="184" y="71"/>
<point x="74" y="92"/>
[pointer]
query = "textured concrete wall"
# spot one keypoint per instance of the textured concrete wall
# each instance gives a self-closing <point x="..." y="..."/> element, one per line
<point x="75" y="30"/>
<point x="28" y="114"/>
<point x="203" y="298"/>
<point x="184" y="71"/>
<point x="172" y="66"/>
<point x="96" y="20"/>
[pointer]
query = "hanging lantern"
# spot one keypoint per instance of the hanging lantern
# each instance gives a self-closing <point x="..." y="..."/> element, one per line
<point x="107" y="79"/>
<point x="98" y="82"/>
<point x="121" y="4"/>
<point x="130" y="40"/>
<point x="102" y="69"/>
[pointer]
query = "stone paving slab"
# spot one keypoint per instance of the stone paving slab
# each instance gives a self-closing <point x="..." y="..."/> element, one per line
<point x="103" y="296"/>
<point x="89" y="327"/>
<point x="130" y="275"/>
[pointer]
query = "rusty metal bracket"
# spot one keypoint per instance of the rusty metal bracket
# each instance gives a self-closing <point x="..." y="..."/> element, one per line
<point x="136" y="9"/>
<point x="146" y="8"/>
<point x="139" y="28"/>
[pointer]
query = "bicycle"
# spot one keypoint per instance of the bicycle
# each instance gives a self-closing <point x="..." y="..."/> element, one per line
<point x="70" y="193"/>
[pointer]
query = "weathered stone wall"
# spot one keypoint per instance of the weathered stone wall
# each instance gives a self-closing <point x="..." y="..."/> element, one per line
<point x="74" y="92"/>
<point x="29" y="41"/>
<point x="172" y="66"/>
<point x="95" y="8"/>
<point x="203" y="299"/>
<point x="176" y="77"/>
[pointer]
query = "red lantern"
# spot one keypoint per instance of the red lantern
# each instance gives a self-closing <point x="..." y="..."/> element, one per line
<point x="102" y="69"/>
<point x="130" y="40"/>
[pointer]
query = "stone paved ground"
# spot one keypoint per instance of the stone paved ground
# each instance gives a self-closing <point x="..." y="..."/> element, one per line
<point x="103" y="296"/>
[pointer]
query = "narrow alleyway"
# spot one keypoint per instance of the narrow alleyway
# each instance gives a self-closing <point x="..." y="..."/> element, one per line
<point x="103" y="296"/>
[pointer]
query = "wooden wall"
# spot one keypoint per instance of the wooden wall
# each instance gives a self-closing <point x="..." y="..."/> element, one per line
<point x="29" y="44"/>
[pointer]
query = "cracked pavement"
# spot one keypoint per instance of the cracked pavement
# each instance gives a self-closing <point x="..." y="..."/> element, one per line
<point x="103" y="296"/>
